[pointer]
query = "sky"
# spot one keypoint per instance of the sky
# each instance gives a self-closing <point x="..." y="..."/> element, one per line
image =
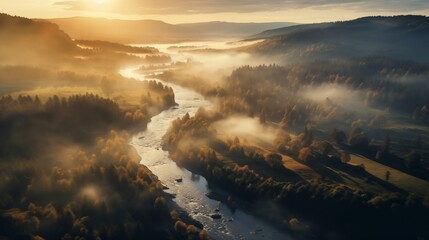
<point x="181" y="11"/>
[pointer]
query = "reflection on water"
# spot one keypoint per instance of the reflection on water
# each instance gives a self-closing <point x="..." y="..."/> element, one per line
<point x="191" y="191"/>
<point x="181" y="52"/>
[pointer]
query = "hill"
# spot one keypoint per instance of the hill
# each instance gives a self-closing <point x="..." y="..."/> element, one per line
<point x="124" y="31"/>
<point x="220" y="30"/>
<point x="401" y="37"/>
<point x="24" y="39"/>
<point x="152" y="31"/>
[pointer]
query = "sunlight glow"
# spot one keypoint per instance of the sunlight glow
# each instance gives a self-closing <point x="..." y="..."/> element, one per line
<point x="90" y="192"/>
<point x="111" y="9"/>
<point x="100" y="2"/>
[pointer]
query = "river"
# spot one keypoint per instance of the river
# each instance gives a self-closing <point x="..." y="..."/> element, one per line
<point x="191" y="192"/>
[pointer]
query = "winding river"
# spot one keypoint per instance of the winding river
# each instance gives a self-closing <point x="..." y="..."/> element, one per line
<point x="191" y="191"/>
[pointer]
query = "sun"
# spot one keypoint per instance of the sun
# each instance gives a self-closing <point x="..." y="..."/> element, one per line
<point x="100" y="2"/>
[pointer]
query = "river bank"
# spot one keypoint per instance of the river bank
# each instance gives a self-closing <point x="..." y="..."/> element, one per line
<point x="190" y="193"/>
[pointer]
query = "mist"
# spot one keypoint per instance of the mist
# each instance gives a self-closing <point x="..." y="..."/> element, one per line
<point x="246" y="128"/>
<point x="300" y="134"/>
<point x="347" y="99"/>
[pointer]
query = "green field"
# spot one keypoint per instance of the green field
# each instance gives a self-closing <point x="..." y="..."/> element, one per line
<point x="400" y="179"/>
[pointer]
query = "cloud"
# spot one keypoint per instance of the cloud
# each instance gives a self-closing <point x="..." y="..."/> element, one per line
<point x="239" y="6"/>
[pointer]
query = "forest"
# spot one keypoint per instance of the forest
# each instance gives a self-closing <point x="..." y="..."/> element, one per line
<point x="258" y="175"/>
<point x="67" y="169"/>
<point x="316" y="134"/>
<point x="284" y="131"/>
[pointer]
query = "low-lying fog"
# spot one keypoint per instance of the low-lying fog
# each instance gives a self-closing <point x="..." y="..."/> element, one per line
<point x="338" y="95"/>
<point x="212" y="59"/>
<point x="247" y="128"/>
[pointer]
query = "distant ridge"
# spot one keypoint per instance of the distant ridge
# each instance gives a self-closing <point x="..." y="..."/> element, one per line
<point x="404" y="20"/>
<point x="402" y="37"/>
<point x="25" y="39"/>
<point x="230" y="29"/>
<point x="123" y="31"/>
<point x="154" y="31"/>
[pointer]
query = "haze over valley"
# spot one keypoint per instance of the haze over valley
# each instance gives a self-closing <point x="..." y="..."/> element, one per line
<point x="126" y="120"/>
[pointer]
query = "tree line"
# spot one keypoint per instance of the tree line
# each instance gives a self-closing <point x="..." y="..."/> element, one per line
<point x="333" y="206"/>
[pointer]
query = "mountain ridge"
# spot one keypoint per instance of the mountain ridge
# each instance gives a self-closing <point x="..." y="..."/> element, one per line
<point x="233" y="29"/>
<point x="24" y="39"/>
<point x="125" y="31"/>
<point x="402" y="37"/>
<point x="146" y="31"/>
<point x="303" y="27"/>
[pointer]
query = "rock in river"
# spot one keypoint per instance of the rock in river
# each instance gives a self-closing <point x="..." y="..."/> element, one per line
<point x="216" y="216"/>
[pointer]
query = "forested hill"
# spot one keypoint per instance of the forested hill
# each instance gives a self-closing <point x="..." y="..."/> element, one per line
<point x="402" y="37"/>
<point x="123" y="31"/>
<point x="154" y="31"/>
<point x="231" y="30"/>
<point x="24" y="39"/>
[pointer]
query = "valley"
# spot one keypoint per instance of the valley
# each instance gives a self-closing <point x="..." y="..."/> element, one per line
<point x="214" y="130"/>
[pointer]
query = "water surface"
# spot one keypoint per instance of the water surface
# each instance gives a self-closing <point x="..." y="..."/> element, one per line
<point x="191" y="192"/>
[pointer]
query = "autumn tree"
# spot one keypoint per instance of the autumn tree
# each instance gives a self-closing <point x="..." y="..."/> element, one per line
<point x="358" y="138"/>
<point x="338" y="136"/>
<point x="386" y="144"/>
<point x="413" y="159"/>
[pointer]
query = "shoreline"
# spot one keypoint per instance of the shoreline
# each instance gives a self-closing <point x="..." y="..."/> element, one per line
<point x="173" y="206"/>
